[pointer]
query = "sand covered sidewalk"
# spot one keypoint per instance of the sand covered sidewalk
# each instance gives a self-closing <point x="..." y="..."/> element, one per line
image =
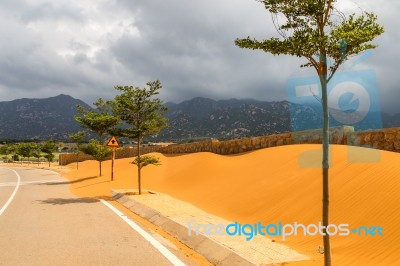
<point x="268" y="186"/>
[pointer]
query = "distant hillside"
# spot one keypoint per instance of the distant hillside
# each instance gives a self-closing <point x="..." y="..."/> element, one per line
<point x="198" y="118"/>
<point x="228" y="119"/>
<point x="30" y="119"/>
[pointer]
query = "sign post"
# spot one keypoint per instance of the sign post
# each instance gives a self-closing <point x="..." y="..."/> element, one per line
<point x="113" y="143"/>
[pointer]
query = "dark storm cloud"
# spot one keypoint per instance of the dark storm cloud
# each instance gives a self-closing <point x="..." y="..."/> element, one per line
<point x="85" y="48"/>
<point x="190" y="46"/>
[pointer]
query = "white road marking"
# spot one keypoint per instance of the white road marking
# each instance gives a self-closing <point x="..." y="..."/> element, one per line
<point x="163" y="250"/>
<point x="11" y="184"/>
<point x="13" y="194"/>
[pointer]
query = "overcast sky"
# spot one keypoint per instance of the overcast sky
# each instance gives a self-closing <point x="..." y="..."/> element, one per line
<point x="84" y="48"/>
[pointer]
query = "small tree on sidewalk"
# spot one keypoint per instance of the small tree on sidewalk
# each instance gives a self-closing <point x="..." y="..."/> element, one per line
<point x="25" y="150"/>
<point x="49" y="148"/>
<point x="100" y="121"/>
<point x="323" y="35"/>
<point x="36" y="152"/>
<point x="139" y="108"/>
<point x="97" y="150"/>
<point x="77" y="139"/>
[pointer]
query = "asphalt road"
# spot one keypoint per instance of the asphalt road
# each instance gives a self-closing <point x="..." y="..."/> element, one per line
<point x="42" y="223"/>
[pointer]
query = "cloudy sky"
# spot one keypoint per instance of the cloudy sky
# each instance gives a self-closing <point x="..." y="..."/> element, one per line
<point x="84" y="48"/>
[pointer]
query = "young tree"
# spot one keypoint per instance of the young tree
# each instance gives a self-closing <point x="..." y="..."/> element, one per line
<point x="77" y="139"/>
<point x="11" y="149"/>
<point x="49" y="148"/>
<point x="99" y="121"/>
<point x="145" y="115"/>
<point x="97" y="150"/>
<point x="4" y="150"/>
<point x="316" y="28"/>
<point x="36" y="152"/>
<point x="25" y="150"/>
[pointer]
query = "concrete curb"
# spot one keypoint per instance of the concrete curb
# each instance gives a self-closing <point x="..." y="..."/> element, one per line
<point x="213" y="251"/>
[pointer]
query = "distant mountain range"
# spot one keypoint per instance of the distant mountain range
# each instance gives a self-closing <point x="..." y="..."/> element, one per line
<point x="198" y="118"/>
<point x="39" y="119"/>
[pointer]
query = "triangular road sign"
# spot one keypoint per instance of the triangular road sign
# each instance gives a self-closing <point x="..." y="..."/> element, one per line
<point x="113" y="142"/>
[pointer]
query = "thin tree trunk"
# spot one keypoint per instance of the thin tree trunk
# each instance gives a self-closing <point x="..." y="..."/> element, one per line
<point x="325" y="165"/>
<point x="77" y="160"/>
<point x="139" y="166"/>
<point x="101" y="143"/>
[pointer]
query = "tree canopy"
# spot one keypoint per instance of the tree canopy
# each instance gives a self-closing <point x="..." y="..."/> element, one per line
<point x="100" y="120"/>
<point x="316" y="30"/>
<point x="140" y="110"/>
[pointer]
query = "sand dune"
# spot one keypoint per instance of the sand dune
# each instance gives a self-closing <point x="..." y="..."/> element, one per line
<point x="269" y="186"/>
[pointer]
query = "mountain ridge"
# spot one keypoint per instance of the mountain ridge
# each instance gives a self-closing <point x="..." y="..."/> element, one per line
<point x="39" y="118"/>
<point x="194" y="119"/>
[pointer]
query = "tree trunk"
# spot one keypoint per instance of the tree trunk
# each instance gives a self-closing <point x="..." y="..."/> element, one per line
<point x="77" y="160"/>
<point x="139" y="166"/>
<point x="101" y="143"/>
<point x="325" y="165"/>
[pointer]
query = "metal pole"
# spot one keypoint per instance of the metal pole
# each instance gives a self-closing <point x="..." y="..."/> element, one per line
<point x="112" y="163"/>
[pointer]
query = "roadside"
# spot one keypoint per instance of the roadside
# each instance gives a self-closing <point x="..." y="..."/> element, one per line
<point x="179" y="218"/>
<point x="258" y="252"/>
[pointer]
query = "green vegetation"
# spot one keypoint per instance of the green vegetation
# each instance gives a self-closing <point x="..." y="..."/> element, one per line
<point x="49" y="148"/>
<point x="77" y="138"/>
<point x="29" y="150"/>
<point x="145" y="116"/>
<point x="98" y="150"/>
<point x="100" y="121"/>
<point x="318" y="31"/>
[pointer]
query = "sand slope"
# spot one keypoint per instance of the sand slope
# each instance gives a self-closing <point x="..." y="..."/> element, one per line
<point x="269" y="186"/>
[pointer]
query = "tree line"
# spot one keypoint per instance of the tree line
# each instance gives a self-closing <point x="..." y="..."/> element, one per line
<point x="29" y="150"/>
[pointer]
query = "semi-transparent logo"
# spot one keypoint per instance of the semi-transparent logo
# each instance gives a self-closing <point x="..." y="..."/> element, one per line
<point x="353" y="102"/>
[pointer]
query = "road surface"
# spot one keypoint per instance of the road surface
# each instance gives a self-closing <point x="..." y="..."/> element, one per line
<point x="42" y="223"/>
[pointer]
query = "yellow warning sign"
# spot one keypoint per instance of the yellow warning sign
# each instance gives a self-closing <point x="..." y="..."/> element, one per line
<point x="113" y="142"/>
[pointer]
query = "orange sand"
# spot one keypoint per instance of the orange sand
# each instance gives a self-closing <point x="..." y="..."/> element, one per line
<point x="269" y="186"/>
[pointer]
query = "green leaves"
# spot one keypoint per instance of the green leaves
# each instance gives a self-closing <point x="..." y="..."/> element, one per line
<point x="96" y="149"/>
<point x="77" y="137"/>
<point x="313" y="28"/>
<point x="145" y="160"/>
<point x="100" y="120"/>
<point x="138" y="108"/>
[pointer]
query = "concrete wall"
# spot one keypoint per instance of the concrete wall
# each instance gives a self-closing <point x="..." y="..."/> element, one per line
<point x="385" y="139"/>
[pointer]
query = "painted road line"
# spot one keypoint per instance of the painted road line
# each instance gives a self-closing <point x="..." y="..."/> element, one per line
<point x="13" y="194"/>
<point x="163" y="250"/>
<point x="11" y="184"/>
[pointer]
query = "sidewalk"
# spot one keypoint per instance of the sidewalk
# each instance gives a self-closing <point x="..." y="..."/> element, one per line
<point x="174" y="216"/>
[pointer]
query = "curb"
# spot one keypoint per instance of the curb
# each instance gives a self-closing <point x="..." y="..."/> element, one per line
<point x="216" y="253"/>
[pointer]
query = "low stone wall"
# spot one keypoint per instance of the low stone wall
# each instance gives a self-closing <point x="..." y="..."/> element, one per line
<point x="67" y="158"/>
<point x="385" y="139"/>
<point x="337" y="136"/>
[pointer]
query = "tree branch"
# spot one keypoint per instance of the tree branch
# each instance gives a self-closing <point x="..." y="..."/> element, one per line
<point x="326" y="15"/>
